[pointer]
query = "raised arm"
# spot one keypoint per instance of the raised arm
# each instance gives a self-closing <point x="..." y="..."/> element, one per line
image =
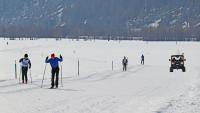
<point x="60" y="59"/>
<point x="47" y="60"/>
<point x="21" y="60"/>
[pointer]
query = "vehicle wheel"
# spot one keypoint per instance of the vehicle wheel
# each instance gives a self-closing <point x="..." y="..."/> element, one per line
<point x="183" y="69"/>
<point x="171" y="70"/>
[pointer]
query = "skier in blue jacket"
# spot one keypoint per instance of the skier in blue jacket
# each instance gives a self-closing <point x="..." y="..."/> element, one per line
<point x="55" y="68"/>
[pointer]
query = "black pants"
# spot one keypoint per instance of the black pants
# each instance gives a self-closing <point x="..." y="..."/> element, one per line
<point x="124" y="67"/>
<point x="142" y="62"/>
<point x="24" y="74"/>
<point x="54" y="72"/>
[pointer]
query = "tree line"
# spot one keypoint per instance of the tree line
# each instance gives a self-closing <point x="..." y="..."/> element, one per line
<point x="148" y="34"/>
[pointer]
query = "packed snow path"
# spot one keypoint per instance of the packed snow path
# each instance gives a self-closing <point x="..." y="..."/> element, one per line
<point x="148" y="88"/>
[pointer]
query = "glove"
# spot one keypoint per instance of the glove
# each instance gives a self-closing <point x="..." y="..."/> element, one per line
<point x="47" y="58"/>
<point x="61" y="56"/>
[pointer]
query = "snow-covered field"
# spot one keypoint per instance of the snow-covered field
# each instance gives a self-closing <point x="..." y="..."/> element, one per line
<point x="148" y="88"/>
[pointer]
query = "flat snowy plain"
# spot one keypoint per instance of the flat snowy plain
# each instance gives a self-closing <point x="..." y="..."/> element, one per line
<point x="148" y="88"/>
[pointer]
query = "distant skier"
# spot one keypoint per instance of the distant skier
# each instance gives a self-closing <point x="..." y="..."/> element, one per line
<point x="55" y="68"/>
<point x="25" y="64"/>
<point x="142" y="59"/>
<point x="124" y="63"/>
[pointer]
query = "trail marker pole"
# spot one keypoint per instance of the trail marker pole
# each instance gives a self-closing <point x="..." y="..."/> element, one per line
<point x="15" y="69"/>
<point x="112" y="65"/>
<point x="78" y="67"/>
<point x="20" y="74"/>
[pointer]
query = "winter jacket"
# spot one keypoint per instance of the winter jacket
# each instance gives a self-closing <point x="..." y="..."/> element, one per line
<point x="54" y="62"/>
<point x="25" y="62"/>
<point x="125" y="61"/>
<point x="142" y="57"/>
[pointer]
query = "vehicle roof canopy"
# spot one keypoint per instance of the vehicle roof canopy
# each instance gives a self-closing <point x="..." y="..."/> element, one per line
<point x="177" y="55"/>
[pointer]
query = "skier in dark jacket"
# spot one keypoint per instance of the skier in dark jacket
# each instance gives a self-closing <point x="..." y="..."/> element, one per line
<point x="55" y="68"/>
<point x="142" y="59"/>
<point x="25" y="64"/>
<point x="124" y="63"/>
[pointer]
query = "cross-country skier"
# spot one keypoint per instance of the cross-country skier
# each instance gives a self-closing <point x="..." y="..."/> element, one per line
<point x="54" y="68"/>
<point x="124" y="63"/>
<point x="142" y="59"/>
<point x="25" y="64"/>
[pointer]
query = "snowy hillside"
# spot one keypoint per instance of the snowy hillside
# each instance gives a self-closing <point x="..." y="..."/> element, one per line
<point x="51" y="18"/>
<point x="148" y="88"/>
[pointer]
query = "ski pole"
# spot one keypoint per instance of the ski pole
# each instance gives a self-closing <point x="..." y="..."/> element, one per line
<point x="44" y="74"/>
<point x="30" y="76"/>
<point x="61" y="74"/>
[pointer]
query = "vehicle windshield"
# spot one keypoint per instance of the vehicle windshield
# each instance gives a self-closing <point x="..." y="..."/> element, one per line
<point x="175" y="58"/>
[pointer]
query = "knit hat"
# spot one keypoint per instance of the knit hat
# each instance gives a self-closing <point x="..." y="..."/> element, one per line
<point x="52" y="55"/>
<point x="26" y="55"/>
